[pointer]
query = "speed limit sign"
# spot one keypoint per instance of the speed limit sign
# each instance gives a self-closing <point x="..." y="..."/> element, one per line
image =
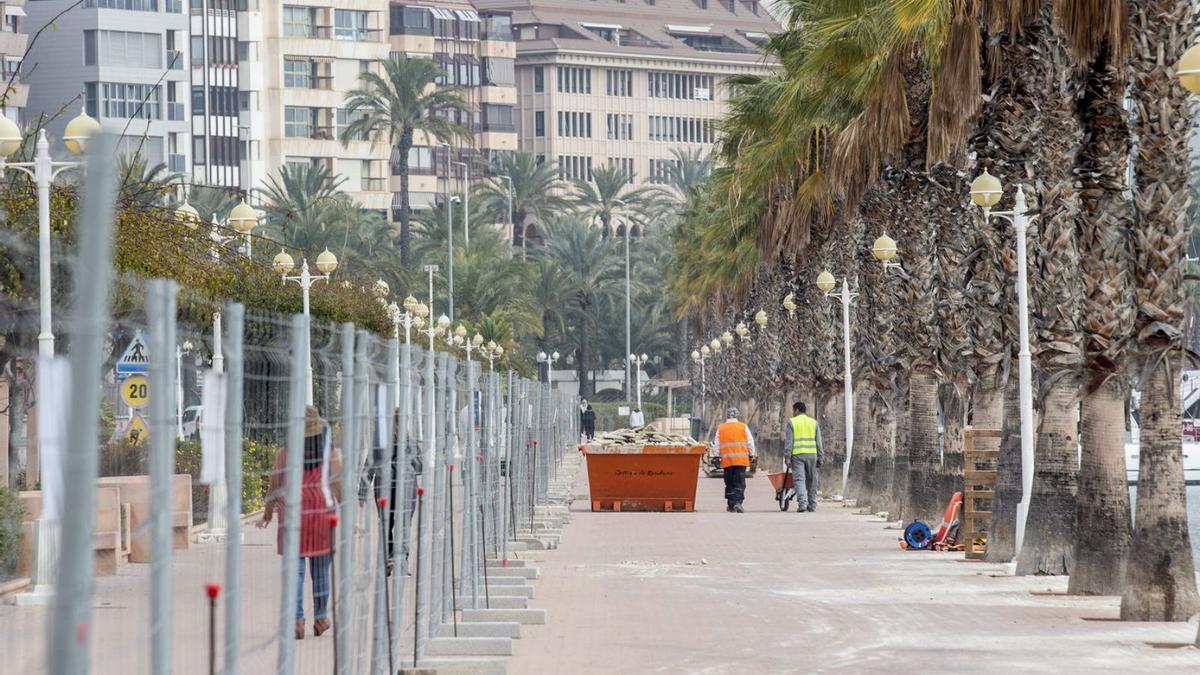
<point x="135" y="391"/>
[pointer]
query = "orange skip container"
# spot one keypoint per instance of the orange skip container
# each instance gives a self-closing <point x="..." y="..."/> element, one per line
<point x="643" y="477"/>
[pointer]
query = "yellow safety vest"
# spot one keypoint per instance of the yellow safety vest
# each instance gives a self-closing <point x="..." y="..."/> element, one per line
<point x="804" y="435"/>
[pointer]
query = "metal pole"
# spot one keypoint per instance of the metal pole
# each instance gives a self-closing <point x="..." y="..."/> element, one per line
<point x="218" y="492"/>
<point x="382" y="653"/>
<point x="1020" y="224"/>
<point x="233" y="479"/>
<point x="511" y="226"/>
<point x="628" y="349"/>
<point x="43" y="173"/>
<point x="847" y="384"/>
<point x="403" y="379"/>
<point x="306" y="282"/>
<point x="423" y="563"/>
<point x="291" y="498"/>
<point x="178" y="392"/>
<point x="466" y="206"/>
<point x="160" y="310"/>
<point x="449" y="253"/>
<point x="72" y="606"/>
<point x="343" y="625"/>
<point x="471" y="466"/>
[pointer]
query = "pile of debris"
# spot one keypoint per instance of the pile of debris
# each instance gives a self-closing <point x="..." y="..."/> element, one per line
<point x="646" y="435"/>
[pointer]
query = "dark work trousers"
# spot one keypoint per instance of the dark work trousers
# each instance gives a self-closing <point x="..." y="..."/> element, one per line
<point x="404" y="505"/>
<point x="735" y="485"/>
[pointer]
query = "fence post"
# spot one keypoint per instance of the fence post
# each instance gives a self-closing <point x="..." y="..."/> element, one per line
<point x="234" y="373"/>
<point x="343" y="626"/>
<point x="381" y="653"/>
<point x="90" y="315"/>
<point x="470" y="479"/>
<point x="424" y="594"/>
<point x="160" y="310"/>
<point x="293" y="452"/>
<point x="403" y="378"/>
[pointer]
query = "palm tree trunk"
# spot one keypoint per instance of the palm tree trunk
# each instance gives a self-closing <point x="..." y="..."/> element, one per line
<point x="585" y="388"/>
<point x="900" y="441"/>
<point x="1050" y="528"/>
<point x="1160" y="579"/>
<point x="953" y="420"/>
<point x="884" y="430"/>
<point x="862" y="472"/>
<point x="833" y="441"/>
<point x="403" y="147"/>
<point x="922" y="495"/>
<point x="1102" y="515"/>
<point x="1001" y="540"/>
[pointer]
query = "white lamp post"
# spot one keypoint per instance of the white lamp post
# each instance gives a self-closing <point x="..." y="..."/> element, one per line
<point x="466" y="204"/>
<point x="492" y="351"/>
<point x="450" y="201"/>
<point x="242" y="218"/>
<point x="884" y="250"/>
<point x="512" y="233"/>
<point x="826" y="284"/>
<point x="179" y="352"/>
<point x="700" y="356"/>
<point x="549" y="361"/>
<point x="638" y="362"/>
<point x="327" y="262"/>
<point x="44" y="170"/>
<point x="986" y="192"/>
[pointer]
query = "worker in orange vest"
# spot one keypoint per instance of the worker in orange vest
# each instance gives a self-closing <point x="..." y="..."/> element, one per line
<point x="736" y="445"/>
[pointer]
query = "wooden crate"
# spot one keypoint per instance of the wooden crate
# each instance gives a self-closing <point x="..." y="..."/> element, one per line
<point x="979" y="487"/>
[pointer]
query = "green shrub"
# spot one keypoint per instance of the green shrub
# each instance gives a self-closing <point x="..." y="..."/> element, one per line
<point x="257" y="461"/>
<point x="10" y="531"/>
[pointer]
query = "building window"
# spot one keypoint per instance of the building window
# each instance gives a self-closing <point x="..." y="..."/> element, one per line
<point x="131" y="5"/>
<point x="673" y="129"/>
<point x="574" y="124"/>
<point x="468" y="70"/>
<point x="198" y="106"/>
<point x="198" y="155"/>
<point x="498" y="72"/>
<point x="121" y="48"/>
<point x="350" y="25"/>
<point x="620" y="127"/>
<point x="574" y="167"/>
<point x="497" y="27"/>
<point x="298" y="73"/>
<point x="468" y="24"/>
<point x="345" y="118"/>
<point x="497" y="117"/>
<point x="623" y="163"/>
<point x="298" y="122"/>
<point x="299" y="21"/>
<point x="410" y="20"/>
<point x="420" y="161"/>
<point x="689" y="86"/>
<point x="222" y="101"/>
<point x="618" y="82"/>
<point x="539" y="79"/>
<point x="574" y="80"/>
<point x="539" y="123"/>
<point x="123" y="100"/>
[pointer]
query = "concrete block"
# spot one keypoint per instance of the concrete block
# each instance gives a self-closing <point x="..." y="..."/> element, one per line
<point x="523" y="616"/>
<point x="494" y="580"/>
<point x="497" y="602"/>
<point x="508" y="591"/>
<point x="464" y="665"/>
<point x="512" y="562"/>
<point x="469" y="646"/>
<point x="522" y="572"/>
<point x="504" y="629"/>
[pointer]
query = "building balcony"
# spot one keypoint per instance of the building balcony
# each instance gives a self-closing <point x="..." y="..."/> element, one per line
<point x="412" y="44"/>
<point x="316" y="133"/>
<point x="497" y="49"/>
<point x="374" y="184"/>
<point x="13" y="44"/>
<point x="417" y="182"/>
<point x="18" y="95"/>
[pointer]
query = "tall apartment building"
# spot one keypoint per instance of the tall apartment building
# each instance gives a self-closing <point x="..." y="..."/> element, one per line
<point x="623" y="82"/>
<point x="13" y="40"/>
<point x="296" y="63"/>
<point x="124" y="61"/>
<point x="476" y="50"/>
<point x="213" y="68"/>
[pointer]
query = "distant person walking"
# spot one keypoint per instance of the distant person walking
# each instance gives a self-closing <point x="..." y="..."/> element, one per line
<point x="320" y="491"/>
<point x="803" y="436"/>
<point x="587" y="420"/>
<point x="735" y="443"/>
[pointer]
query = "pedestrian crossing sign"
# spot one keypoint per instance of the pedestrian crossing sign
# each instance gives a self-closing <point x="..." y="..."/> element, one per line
<point x="135" y="359"/>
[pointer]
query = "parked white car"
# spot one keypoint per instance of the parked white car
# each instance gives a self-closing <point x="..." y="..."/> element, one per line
<point x="191" y="421"/>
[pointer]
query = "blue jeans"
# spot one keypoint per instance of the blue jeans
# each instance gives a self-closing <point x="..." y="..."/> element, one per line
<point x="320" y="576"/>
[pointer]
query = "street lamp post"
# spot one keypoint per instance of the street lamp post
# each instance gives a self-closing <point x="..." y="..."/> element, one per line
<point x="700" y="356"/>
<point x="638" y="362"/>
<point x="512" y="232"/>
<point x="466" y="204"/>
<point x="327" y="262"/>
<point x="549" y="361"/>
<point x="179" y="352"/>
<point x="43" y="170"/>
<point x="826" y="283"/>
<point x="242" y="218"/>
<point x="986" y="192"/>
<point x="492" y="351"/>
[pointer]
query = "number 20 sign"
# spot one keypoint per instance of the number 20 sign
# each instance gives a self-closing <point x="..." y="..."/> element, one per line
<point x="135" y="391"/>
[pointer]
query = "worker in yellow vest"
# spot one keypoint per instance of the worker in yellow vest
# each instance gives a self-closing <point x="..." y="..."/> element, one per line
<point x="736" y="445"/>
<point x="803" y="437"/>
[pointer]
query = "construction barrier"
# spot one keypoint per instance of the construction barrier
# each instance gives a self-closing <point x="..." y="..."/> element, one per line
<point x="643" y="477"/>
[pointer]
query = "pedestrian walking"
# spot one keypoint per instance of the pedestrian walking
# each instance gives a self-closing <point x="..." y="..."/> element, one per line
<point x="736" y="445"/>
<point x="320" y="491"/>
<point x="587" y="420"/>
<point x="803" y="436"/>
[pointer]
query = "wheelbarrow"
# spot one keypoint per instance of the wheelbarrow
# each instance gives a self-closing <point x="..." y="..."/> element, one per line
<point x="785" y="487"/>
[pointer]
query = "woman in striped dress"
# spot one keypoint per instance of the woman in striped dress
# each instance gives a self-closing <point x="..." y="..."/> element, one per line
<point x="320" y="491"/>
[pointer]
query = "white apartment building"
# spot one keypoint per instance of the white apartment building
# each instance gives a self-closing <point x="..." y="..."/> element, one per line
<point x="623" y="82"/>
<point x="213" y="68"/>
<point x="13" y="41"/>
<point x="296" y="63"/>
<point x="125" y="62"/>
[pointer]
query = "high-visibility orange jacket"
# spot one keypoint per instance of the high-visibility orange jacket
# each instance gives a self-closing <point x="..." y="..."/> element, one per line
<point x="734" y="443"/>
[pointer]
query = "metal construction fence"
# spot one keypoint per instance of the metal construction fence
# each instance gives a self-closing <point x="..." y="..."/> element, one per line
<point x="193" y="514"/>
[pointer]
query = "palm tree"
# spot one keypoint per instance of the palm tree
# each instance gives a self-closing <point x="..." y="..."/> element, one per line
<point x="548" y="298"/>
<point x="211" y="202"/>
<point x="594" y="273"/>
<point x="396" y="105"/>
<point x="1160" y="581"/>
<point x="300" y="204"/>
<point x="144" y="184"/>
<point x="688" y="172"/>
<point x="609" y="195"/>
<point x="537" y="194"/>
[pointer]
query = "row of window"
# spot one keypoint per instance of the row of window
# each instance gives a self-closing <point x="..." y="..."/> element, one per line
<point x="619" y="82"/>
<point x="348" y="24"/>
<point x="306" y="122"/>
<point x="123" y="100"/>
<point x="675" y="129"/>
<point x="574" y="167"/>
<point x="468" y="71"/>
<point x="623" y="163"/>
<point x="122" y="48"/>
<point x="619" y="127"/>
<point x="448" y="24"/>
<point x="579" y="167"/>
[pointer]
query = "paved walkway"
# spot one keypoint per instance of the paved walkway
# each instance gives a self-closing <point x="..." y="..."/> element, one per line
<point x="769" y="592"/>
